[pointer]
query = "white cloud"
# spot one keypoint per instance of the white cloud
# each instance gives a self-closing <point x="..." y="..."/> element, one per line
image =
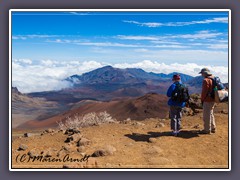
<point x="218" y="46"/>
<point x="158" y="24"/>
<point x="188" y="68"/>
<point x="122" y="45"/>
<point x="31" y="36"/>
<point x="141" y="50"/>
<point x="50" y="76"/>
<point x="107" y="44"/>
<point x="23" y="61"/>
<point x="137" y="37"/>
<point x="148" y="24"/>
<point x="199" y="35"/>
<point x="80" y="13"/>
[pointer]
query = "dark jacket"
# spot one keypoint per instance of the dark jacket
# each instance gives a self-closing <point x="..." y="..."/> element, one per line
<point x="169" y="94"/>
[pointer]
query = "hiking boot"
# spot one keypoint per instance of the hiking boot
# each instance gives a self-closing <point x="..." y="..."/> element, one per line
<point x="213" y="131"/>
<point x="204" y="132"/>
<point x="175" y="133"/>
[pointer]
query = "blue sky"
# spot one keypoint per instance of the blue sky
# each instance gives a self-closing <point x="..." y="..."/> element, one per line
<point x="148" y="40"/>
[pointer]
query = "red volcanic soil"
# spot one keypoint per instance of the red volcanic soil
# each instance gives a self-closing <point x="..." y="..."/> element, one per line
<point x="148" y="106"/>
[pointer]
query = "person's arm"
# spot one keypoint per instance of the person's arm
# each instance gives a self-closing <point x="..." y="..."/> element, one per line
<point x="170" y="90"/>
<point x="205" y="90"/>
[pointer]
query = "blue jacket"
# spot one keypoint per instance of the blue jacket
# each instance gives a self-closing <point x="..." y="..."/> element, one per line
<point x="169" y="94"/>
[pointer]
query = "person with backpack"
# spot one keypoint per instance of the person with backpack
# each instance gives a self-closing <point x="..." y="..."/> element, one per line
<point x="178" y="94"/>
<point x="208" y="102"/>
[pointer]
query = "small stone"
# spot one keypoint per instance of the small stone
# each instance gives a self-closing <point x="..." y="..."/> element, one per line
<point x="126" y="121"/>
<point x="158" y="125"/>
<point x="69" y="139"/>
<point x="110" y="149"/>
<point x="99" y="153"/>
<point x="152" y="140"/>
<point x="138" y="124"/>
<point x="76" y="137"/>
<point x="83" y="142"/>
<point x="197" y="126"/>
<point x="22" y="147"/>
<point x="224" y="111"/>
<point x="33" y="153"/>
<point x="71" y="131"/>
<point x="48" y="153"/>
<point x="154" y="150"/>
<point x="68" y="148"/>
<point x="49" y="130"/>
<point x="81" y="149"/>
<point x="28" y="134"/>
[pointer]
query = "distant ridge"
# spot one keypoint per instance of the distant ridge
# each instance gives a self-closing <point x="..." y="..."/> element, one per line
<point x="151" y="105"/>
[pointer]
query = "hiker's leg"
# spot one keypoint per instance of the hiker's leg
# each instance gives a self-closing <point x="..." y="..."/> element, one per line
<point x="179" y="118"/>
<point x="206" y="116"/>
<point x="212" y="118"/>
<point x="173" y="117"/>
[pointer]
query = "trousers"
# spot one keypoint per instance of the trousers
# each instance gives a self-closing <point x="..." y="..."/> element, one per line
<point x="208" y="116"/>
<point x="175" y="116"/>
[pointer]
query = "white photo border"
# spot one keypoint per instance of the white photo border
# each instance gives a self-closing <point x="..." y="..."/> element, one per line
<point x="120" y="10"/>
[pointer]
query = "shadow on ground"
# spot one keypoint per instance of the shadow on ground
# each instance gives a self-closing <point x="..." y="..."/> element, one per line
<point x="145" y="137"/>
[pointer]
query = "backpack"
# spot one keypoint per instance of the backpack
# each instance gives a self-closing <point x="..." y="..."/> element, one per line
<point x="180" y="93"/>
<point x="216" y="82"/>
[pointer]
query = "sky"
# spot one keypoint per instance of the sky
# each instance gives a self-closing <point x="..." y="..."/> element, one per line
<point x="47" y="47"/>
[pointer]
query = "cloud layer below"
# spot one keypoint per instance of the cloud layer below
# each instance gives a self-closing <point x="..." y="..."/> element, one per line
<point x="49" y="75"/>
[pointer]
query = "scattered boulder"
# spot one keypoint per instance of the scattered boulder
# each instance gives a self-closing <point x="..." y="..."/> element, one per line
<point x="108" y="150"/>
<point x="49" y="152"/>
<point x="28" y="134"/>
<point x="195" y="102"/>
<point x="126" y="121"/>
<point x="68" y="148"/>
<point x="159" y="125"/>
<point x="138" y="124"/>
<point x="49" y="130"/>
<point x="152" y="140"/>
<point x="83" y="142"/>
<point x="71" y="131"/>
<point x="81" y="149"/>
<point x="154" y="150"/>
<point x="22" y="147"/>
<point x="187" y="111"/>
<point x="76" y="137"/>
<point x="33" y="153"/>
<point x="224" y="111"/>
<point x="101" y="152"/>
<point x="65" y="150"/>
<point x="197" y="126"/>
<point x="69" y="139"/>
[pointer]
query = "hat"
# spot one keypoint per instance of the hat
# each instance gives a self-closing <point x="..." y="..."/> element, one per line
<point x="206" y="71"/>
<point x="176" y="77"/>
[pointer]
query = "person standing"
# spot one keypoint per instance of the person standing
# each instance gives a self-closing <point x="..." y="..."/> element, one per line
<point x="175" y="105"/>
<point x="207" y="102"/>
